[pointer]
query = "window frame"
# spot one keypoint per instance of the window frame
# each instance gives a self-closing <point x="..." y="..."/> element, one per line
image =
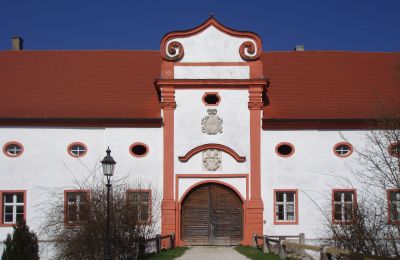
<point x="354" y="202"/>
<point x="11" y="143"/>
<point x="345" y="155"/>
<point x="283" y="155"/>
<point x="149" y="203"/>
<point x="391" y="147"/>
<point x="2" y="193"/>
<point x="68" y="223"/>
<point x="141" y="155"/>
<point x="79" y="155"/>
<point x="211" y="93"/>
<point x="296" y="207"/>
<point x="391" y="221"/>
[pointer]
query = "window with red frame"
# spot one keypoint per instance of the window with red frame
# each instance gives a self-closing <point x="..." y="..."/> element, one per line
<point x="285" y="206"/>
<point x="140" y="202"/>
<point x="344" y="206"/>
<point x="394" y="205"/>
<point x="76" y="206"/>
<point x="13" y="207"/>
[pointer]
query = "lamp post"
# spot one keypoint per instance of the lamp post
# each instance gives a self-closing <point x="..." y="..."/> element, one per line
<point x="108" y="164"/>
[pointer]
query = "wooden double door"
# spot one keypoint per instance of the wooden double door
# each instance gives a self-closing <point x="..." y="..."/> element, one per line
<point x="212" y="214"/>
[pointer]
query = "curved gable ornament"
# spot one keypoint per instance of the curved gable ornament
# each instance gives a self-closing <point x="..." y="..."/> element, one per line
<point x="172" y="50"/>
<point x="203" y="147"/>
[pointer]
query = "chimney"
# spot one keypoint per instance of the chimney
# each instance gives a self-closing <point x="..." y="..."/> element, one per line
<point x="17" y="43"/>
<point x="299" y="48"/>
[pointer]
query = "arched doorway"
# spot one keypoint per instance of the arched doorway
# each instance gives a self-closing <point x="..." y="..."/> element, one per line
<point x="212" y="214"/>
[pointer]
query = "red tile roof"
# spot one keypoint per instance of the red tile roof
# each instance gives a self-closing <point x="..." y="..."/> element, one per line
<point x="331" y="84"/>
<point x="79" y="84"/>
<point x="120" y="84"/>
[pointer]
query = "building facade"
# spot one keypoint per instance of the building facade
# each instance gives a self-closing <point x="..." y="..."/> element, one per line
<point x="237" y="140"/>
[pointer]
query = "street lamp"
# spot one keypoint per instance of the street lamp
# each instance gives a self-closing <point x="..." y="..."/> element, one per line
<point x="108" y="164"/>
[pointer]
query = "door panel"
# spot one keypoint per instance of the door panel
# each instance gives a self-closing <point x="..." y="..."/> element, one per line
<point x="212" y="214"/>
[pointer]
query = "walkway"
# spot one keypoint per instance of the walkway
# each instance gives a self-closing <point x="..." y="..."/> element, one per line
<point x="211" y="253"/>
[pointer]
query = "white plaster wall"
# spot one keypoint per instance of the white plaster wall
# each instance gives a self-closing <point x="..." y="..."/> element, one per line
<point x="188" y="134"/>
<point x="45" y="163"/>
<point x="238" y="183"/>
<point x="211" y="72"/>
<point x="211" y="45"/>
<point x="313" y="169"/>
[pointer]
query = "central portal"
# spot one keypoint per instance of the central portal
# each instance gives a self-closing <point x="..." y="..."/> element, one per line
<point x="212" y="214"/>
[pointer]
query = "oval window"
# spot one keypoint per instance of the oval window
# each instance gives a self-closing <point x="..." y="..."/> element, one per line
<point x="211" y="98"/>
<point x="343" y="149"/>
<point x="13" y="149"/>
<point x="284" y="149"/>
<point x="139" y="149"/>
<point x="77" y="149"/>
<point x="394" y="149"/>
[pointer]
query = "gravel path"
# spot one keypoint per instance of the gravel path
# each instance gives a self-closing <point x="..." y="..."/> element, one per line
<point x="211" y="253"/>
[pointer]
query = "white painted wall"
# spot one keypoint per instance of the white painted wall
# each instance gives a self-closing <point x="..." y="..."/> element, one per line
<point x="211" y="72"/>
<point x="188" y="133"/>
<point x="45" y="163"/>
<point x="211" y="45"/>
<point x="313" y="169"/>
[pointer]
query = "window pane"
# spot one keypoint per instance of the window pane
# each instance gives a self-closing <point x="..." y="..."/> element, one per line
<point x="8" y="209"/>
<point x="338" y="208"/>
<point x="279" y="196"/>
<point x="8" y="198"/>
<point x="290" y="196"/>
<point x="290" y="216"/>
<point x="8" y="218"/>
<point x="337" y="216"/>
<point x="337" y="196"/>
<point x="144" y="197"/>
<point x="290" y="208"/>
<point x="20" y="217"/>
<point x="279" y="212"/>
<point x="20" y="198"/>
<point x="394" y="196"/>
<point x="71" y="197"/>
<point x="20" y="209"/>
<point x="348" y="196"/>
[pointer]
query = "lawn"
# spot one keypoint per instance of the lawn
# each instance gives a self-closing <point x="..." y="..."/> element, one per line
<point x="167" y="254"/>
<point x="255" y="254"/>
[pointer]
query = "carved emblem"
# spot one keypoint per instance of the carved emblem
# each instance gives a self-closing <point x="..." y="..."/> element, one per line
<point x="247" y="51"/>
<point x="212" y="159"/>
<point x="211" y="124"/>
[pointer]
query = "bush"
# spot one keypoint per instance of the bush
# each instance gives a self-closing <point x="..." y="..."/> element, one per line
<point x="23" y="245"/>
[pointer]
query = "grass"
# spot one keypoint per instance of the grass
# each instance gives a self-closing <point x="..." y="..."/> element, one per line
<point x="255" y="254"/>
<point x="167" y="254"/>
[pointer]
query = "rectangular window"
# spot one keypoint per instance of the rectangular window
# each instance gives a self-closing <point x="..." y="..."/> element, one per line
<point x="285" y="207"/>
<point x="140" y="200"/>
<point x="394" y="206"/>
<point x="344" y="205"/>
<point x="12" y="207"/>
<point x="75" y="206"/>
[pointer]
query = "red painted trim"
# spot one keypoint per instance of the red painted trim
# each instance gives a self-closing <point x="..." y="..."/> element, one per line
<point x="211" y="93"/>
<point x="325" y="124"/>
<point x="390" y="149"/>
<point x="66" y="223"/>
<point x="296" y="222"/>
<point x="150" y="220"/>
<point x="354" y="191"/>
<point x="246" y="230"/>
<point x="203" y="147"/>
<point x="210" y="22"/>
<point x="282" y="155"/>
<point x="12" y="155"/>
<point x="76" y="143"/>
<point x="390" y="221"/>
<point x="2" y="192"/>
<point x="136" y="155"/>
<point x="343" y="143"/>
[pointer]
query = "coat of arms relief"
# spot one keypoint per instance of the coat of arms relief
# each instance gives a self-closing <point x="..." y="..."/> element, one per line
<point x="212" y="123"/>
<point x="212" y="159"/>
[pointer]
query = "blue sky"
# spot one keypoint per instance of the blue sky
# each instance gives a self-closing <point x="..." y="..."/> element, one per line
<point x="367" y="25"/>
